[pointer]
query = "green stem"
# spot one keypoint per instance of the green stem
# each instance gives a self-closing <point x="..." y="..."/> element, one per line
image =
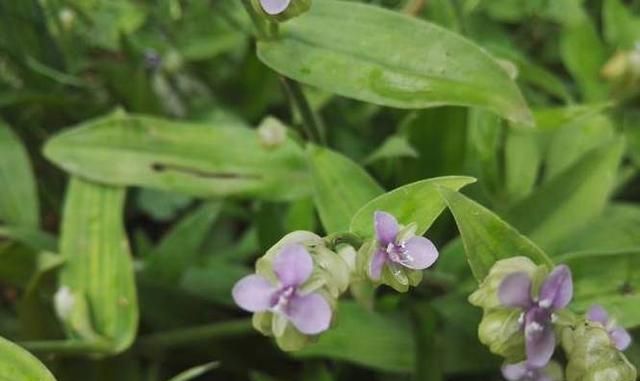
<point x="186" y="336"/>
<point x="67" y="346"/>
<point x="310" y="121"/>
<point x="336" y="239"/>
<point x="266" y="29"/>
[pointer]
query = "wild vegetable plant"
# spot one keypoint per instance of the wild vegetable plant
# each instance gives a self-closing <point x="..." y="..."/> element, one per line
<point x="319" y="190"/>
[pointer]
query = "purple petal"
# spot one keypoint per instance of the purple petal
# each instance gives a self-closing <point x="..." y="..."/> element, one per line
<point x="420" y="253"/>
<point x="293" y="265"/>
<point x="310" y="314"/>
<point x="621" y="338"/>
<point x="253" y="293"/>
<point x="557" y="290"/>
<point x="274" y="7"/>
<point x="386" y="227"/>
<point x="515" y="290"/>
<point x="598" y="314"/>
<point x="514" y="372"/>
<point x="377" y="263"/>
<point x="540" y="339"/>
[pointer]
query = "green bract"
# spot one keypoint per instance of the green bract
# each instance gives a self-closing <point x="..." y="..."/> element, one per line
<point x="501" y="331"/>
<point x="592" y="356"/>
<point x="486" y="296"/>
<point x="330" y="278"/>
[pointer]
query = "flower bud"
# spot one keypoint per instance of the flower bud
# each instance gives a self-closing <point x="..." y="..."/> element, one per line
<point x="592" y="356"/>
<point x="282" y="10"/>
<point x="501" y="331"/>
<point x="272" y="133"/>
<point x="295" y="289"/>
<point x="486" y="296"/>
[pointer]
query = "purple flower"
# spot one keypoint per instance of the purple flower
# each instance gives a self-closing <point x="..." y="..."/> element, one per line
<point x="399" y="250"/>
<point x="555" y="294"/>
<point x="274" y="7"/>
<point x="310" y="313"/>
<point x="523" y="372"/>
<point x="619" y="336"/>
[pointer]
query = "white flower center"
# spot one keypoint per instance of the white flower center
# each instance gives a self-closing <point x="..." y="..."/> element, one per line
<point x="397" y="252"/>
<point x="282" y="299"/>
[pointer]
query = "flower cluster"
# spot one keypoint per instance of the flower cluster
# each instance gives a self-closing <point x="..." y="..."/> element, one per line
<point x="294" y="292"/>
<point x="525" y="314"/>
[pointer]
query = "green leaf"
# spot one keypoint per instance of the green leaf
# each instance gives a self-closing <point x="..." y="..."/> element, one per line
<point x="35" y="239"/>
<point x="19" y="201"/>
<point x="343" y="47"/>
<point x="621" y="26"/>
<point x="18" y="364"/>
<point x="484" y="138"/>
<point x="194" y="372"/>
<point x="574" y="140"/>
<point x="341" y="187"/>
<point x="616" y="229"/>
<point x="98" y="265"/>
<point x="395" y="146"/>
<point x="366" y="338"/>
<point x="486" y="237"/>
<point x="571" y="198"/>
<point x="608" y="278"/>
<point x="419" y="202"/>
<point x="195" y="159"/>
<point x="522" y="162"/>
<point x="180" y="247"/>
<point x="584" y="55"/>
<point x="18" y="263"/>
<point x="213" y="281"/>
<point x="555" y="117"/>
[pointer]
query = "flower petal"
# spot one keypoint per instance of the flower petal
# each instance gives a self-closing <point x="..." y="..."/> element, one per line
<point x="514" y="372"/>
<point x="274" y="7"/>
<point x="420" y="253"/>
<point x="540" y="339"/>
<point x="386" y="227"/>
<point x="621" y="338"/>
<point x="310" y="314"/>
<point x="293" y="265"/>
<point x="253" y="293"/>
<point x="557" y="290"/>
<point x="598" y="314"/>
<point x="515" y="290"/>
<point x="377" y="263"/>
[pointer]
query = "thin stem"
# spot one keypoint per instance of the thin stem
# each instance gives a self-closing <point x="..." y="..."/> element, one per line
<point x="311" y="123"/>
<point x="334" y="240"/>
<point x="67" y="346"/>
<point x="265" y="28"/>
<point x="186" y="336"/>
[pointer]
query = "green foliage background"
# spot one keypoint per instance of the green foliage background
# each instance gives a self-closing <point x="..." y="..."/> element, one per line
<point x="193" y="68"/>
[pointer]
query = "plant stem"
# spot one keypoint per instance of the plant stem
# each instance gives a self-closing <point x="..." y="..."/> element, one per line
<point x="311" y="124"/>
<point x="186" y="336"/>
<point x="67" y="346"/>
<point x="265" y="28"/>
<point x="334" y="240"/>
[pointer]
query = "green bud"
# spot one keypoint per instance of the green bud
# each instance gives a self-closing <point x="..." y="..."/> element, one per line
<point x="501" y="331"/>
<point x="272" y="133"/>
<point x="592" y="356"/>
<point x="486" y="296"/>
